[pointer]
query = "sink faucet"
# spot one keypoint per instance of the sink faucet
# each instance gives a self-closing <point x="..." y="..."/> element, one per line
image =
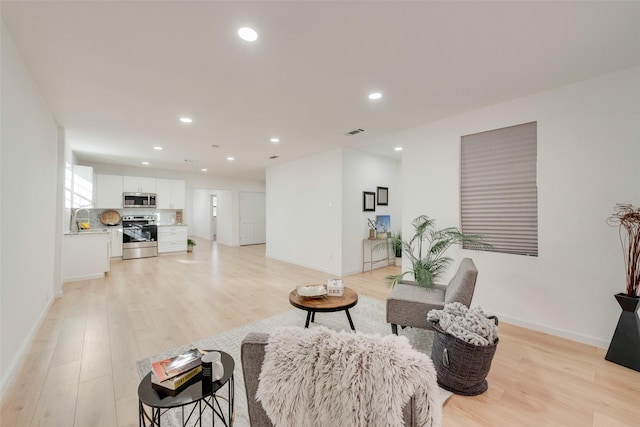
<point x="74" y="218"/>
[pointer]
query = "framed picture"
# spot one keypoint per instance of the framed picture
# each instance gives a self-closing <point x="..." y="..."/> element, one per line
<point x="368" y="201"/>
<point x="383" y="225"/>
<point x="383" y="196"/>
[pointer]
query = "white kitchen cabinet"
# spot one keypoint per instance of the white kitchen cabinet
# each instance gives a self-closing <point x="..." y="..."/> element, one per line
<point x="138" y="184"/>
<point x="108" y="191"/>
<point x="116" y="242"/>
<point x="171" y="194"/>
<point x="85" y="255"/>
<point x="172" y="239"/>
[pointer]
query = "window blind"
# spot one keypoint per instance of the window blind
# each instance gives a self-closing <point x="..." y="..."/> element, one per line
<point x="498" y="188"/>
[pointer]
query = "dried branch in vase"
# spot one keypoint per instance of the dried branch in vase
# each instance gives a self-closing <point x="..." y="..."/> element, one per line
<point x="627" y="218"/>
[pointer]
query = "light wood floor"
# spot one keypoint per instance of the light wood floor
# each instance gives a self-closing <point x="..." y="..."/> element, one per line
<point x="81" y="368"/>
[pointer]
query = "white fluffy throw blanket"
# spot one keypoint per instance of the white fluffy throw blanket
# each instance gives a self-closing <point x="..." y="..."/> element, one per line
<point x="319" y="377"/>
<point x="470" y="325"/>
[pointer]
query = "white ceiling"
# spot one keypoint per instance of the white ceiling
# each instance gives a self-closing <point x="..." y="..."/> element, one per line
<point x="117" y="75"/>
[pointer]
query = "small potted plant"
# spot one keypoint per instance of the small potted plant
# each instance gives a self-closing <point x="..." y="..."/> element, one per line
<point x="396" y="241"/>
<point x="190" y="244"/>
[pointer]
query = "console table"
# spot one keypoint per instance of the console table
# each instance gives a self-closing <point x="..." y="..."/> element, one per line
<point x="370" y="244"/>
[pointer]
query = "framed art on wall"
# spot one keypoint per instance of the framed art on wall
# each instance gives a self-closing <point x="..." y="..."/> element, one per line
<point x="368" y="201"/>
<point x="383" y="196"/>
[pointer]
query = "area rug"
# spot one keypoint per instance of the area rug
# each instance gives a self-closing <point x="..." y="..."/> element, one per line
<point x="368" y="316"/>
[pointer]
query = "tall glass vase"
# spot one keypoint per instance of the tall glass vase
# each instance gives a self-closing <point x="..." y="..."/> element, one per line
<point x="625" y="344"/>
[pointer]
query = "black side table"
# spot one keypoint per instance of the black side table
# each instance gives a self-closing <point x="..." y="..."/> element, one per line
<point x="201" y="395"/>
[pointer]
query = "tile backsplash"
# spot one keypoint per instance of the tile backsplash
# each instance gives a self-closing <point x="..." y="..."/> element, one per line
<point x="163" y="216"/>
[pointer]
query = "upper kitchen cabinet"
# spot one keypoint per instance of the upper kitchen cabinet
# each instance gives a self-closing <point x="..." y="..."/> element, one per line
<point x="108" y="191"/>
<point x="171" y="194"/>
<point x="138" y="184"/>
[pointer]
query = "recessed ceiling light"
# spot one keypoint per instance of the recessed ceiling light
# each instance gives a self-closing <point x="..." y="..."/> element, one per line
<point x="145" y="163"/>
<point x="398" y="148"/>
<point x="230" y="158"/>
<point x="248" y="34"/>
<point x="186" y="120"/>
<point x="203" y="169"/>
<point x="275" y="139"/>
<point x="157" y="148"/>
<point x="375" y="95"/>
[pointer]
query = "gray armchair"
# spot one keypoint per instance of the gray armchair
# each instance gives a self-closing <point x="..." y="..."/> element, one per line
<point x="408" y="304"/>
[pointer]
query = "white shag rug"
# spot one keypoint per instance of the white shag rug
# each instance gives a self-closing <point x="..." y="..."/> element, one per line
<point x="368" y="316"/>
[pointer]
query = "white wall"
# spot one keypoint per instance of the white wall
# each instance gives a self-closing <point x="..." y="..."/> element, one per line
<point x="199" y="208"/>
<point x="304" y="212"/>
<point x="588" y="160"/>
<point x="29" y="177"/>
<point x="365" y="172"/>
<point x="316" y="219"/>
<point x="228" y="221"/>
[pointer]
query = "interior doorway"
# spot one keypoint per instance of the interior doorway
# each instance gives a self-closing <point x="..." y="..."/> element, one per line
<point x="252" y="218"/>
<point x="214" y="216"/>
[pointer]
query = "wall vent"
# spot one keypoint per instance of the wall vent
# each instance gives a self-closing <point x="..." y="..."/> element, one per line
<point x="354" y="132"/>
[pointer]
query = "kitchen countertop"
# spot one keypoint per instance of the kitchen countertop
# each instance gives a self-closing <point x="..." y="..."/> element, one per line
<point x="172" y="225"/>
<point x="90" y="231"/>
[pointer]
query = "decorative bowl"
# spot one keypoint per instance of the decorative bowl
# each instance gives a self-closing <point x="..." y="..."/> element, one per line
<point x="312" y="291"/>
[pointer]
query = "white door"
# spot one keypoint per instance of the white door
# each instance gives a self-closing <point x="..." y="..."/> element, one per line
<point x="252" y="218"/>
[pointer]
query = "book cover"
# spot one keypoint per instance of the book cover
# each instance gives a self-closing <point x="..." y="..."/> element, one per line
<point x="174" y="366"/>
<point x="176" y="382"/>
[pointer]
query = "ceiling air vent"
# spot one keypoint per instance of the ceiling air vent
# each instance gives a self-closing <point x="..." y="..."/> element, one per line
<point x="354" y="132"/>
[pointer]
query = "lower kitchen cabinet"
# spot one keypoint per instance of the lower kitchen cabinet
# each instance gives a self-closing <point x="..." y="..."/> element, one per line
<point x="85" y="255"/>
<point x="116" y="242"/>
<point x="172" y="239"/>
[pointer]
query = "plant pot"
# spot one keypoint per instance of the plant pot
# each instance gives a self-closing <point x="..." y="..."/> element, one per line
<point x="189" y="248"/>
<point x="398" y="262"/>
<point x="372" y="233"/>
<point x="625" y="344"/>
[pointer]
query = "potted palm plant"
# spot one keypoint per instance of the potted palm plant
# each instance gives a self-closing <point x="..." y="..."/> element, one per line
<point x="625" y="344"/>
<point x="190" y="244"/>
<point x="426" y="250"/>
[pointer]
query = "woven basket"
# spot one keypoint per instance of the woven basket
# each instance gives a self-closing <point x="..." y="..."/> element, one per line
<point x="462" y="367"/>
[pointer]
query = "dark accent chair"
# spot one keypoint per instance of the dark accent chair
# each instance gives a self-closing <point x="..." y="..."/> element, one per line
<point x="408" y="303"/>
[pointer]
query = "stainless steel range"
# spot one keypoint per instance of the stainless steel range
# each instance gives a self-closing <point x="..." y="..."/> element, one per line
<point x="139" y="236"/>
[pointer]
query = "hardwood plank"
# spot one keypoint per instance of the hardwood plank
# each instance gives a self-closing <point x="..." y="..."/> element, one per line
<point x="96" y="406"/>
<point x="57" y="401"/>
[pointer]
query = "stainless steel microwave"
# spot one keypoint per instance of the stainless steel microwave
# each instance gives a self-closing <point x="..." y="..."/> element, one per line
<point x="139" y="200"/>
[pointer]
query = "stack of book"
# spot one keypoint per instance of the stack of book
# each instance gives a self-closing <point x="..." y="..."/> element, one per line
<point x="172" y="374"/>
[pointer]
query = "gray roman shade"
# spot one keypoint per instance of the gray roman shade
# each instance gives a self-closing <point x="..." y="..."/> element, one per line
<point x="498" y="188"/>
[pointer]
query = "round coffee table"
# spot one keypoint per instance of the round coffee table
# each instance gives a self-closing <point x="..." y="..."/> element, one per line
<point x="203" y="395"/>
<point x="325" y="304"/>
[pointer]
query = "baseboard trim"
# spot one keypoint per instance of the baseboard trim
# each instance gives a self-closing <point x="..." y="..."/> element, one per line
<point x="20" y="357"/>
<point x="556" y="332"/>
<point x="87" y="277"/>
<point x="312" y="267"/>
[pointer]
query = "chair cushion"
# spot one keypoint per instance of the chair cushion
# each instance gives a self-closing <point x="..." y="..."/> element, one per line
<point x="408" y="305"/>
